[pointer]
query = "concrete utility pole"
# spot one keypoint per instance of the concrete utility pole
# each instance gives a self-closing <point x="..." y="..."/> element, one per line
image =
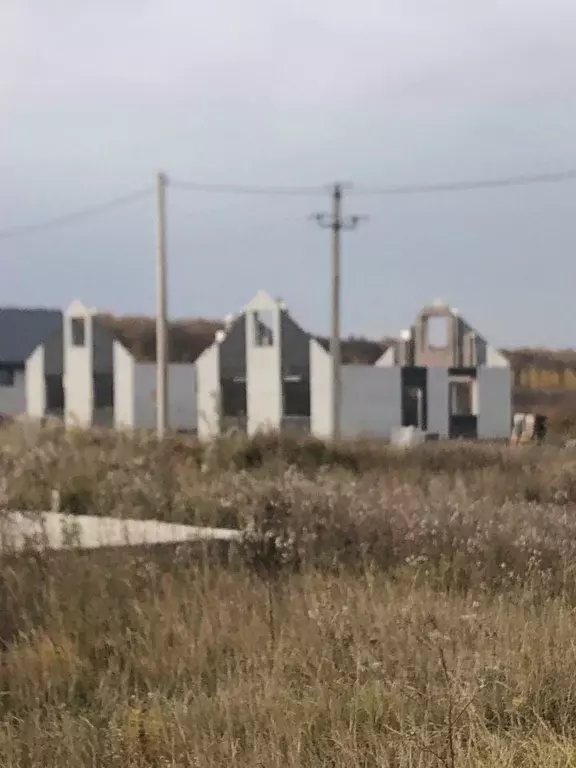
<point x="336" y="222"/>
<point x="161" y="311"/>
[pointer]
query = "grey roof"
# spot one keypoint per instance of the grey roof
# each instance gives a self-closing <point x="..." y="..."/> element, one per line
<point x="22" y="330"/>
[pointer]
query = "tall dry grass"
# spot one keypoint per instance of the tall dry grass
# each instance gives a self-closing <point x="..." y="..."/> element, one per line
<point x="386" y="608"/>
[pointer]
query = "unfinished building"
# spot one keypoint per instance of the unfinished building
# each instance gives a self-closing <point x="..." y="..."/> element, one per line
<point x="264" y="371"/>
<point x="454" y="383"/>
<point x="256" y="374"/>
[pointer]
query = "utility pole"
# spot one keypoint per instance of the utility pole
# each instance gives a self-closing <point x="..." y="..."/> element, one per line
<point x="336" y="222"/>
<point x="161" y="310"/>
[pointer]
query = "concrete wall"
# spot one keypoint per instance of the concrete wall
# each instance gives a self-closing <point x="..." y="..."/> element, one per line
<point x="263" y="368"/>
<point x="388" y="359"/>
<point x="81" y="364"/>
<point x="496" y="359"/>
<point x="208" y="392"/>
<point x="78" y="370"/>
<point x="320" y="391"/>
<point x="13" y="398"/>
<point x="435" y="352"/>
<point x="123" y="362"/>
<point x="371" y="401"/>
<point x="46" y="360"/>
<point x="494" y="393"/>
<point x="35" y="382"/>
<point x="135" y="393"/>
<point x="144" y="395"/>
<point x="182" y="410"/>
<point x="438" y="401"/>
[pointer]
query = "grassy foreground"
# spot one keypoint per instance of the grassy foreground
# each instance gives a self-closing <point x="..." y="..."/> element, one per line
<point x="387" y="609"/>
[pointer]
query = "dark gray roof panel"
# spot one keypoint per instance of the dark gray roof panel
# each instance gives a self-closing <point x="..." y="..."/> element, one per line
<point x="22" y="330"/>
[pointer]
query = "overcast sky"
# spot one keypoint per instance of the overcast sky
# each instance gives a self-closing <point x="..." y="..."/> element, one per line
<point x="95" y="97"/>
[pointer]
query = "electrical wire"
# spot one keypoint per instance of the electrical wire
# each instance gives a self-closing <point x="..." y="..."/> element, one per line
<point x="189" y="186"/>
<point x="239" y="189"/>
<point x="470" y="185"/>
<point x="70" y="218"/>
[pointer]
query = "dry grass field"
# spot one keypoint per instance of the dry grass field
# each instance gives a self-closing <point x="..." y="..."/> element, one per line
<point x="386" y="608"/>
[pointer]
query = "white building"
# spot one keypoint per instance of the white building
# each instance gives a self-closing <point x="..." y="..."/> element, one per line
<point x="79" y="354"/>
<point x="262" y="372"/>
<point x="257" y="373"/>
<point x="455" y="384"/>
<point x="265" y="372"/>
<point x="103" y="383"/>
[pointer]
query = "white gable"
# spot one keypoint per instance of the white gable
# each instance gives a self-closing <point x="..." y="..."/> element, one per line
<point x="317" y="349"/>
<point x="77" y="308"/>
<point x="262" y="301"/>
<point x="388" y="359"/>
<point x="495" y="359"/>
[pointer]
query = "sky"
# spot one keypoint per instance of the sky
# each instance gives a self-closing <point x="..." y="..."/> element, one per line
<point x="96" y="98"/>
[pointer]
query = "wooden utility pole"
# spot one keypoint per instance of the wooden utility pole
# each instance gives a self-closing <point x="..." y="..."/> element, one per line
<point x="336" y="222"/>
<point x="161" y="311"/>
<point x="335" y="349"/>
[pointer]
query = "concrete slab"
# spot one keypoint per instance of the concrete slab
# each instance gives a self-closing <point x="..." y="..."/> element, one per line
<point x="54" y="530"/>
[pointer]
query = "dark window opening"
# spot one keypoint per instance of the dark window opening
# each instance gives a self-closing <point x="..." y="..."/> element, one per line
<point x="296" y="397"/>
<point x="104" y="390"/>
<point x="7" y="377"/>
<point x="463" y="427"/>
<point x="78" y="330"/>
<point x="54" y="394"/>
<point x="415" y="397"/>
<point x="233" y="398"/>
<point x="263" y="328"/>
<point x="413" y="408"/>
<point x="461" y="402"/>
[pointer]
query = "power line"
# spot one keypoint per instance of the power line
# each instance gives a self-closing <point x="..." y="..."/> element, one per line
<point x="240" y="189"/>
<point x="467" y="185"/>
<point x="70" y="218"/>
<point x="471" y="185"/>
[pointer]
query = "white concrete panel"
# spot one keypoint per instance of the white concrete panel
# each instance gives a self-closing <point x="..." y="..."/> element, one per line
<point x="145" y="395"/>
<point x="55" y="530"/>
<point x="78" y="369"/>
<point x="263" y="301"/>
<point x="371" y="401"/>
<point x="208" y="394"/>
<point x="495" y="359"/>
<point x="264" y="372"/>
<point x="475" y="399"/>
<point x="182" y="407"/>
<point x="320" y="391"/>
<point x="35" y="382"/>
<point x="388" y="359"/>
<point x="181" y="396"/>
<point x="124" y="414"/>
<point x="438" y="401"/>
<point x="13" y="398"/>
<point x="494" y="403"/>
